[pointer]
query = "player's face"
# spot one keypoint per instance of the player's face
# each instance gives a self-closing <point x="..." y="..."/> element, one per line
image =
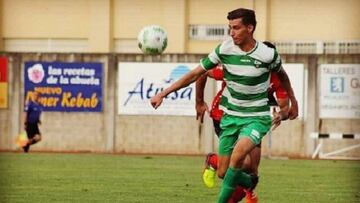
<point x="239" y="32"/>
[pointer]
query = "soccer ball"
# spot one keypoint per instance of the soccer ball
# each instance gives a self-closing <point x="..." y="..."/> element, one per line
<point x="152" y="39"/>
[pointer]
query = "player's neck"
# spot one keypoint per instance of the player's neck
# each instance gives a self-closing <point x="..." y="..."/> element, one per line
<point x="248" y="45"/>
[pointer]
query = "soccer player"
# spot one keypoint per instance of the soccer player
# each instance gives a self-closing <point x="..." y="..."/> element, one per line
<point x="251" y="162"/>
<point x="247" y="64"/>
<point x="31" y="116"/>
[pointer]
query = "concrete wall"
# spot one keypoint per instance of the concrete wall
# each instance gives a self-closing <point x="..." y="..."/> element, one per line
<point x="10" y="117"/>
<point x="45" y="19"/>
<point x="109" y="132"/>
<point x="206" y="13"/>
<point x="29" y="22"/>
<point x="100" y="26"/>
<point x="314" y="20"/>
<point x="131" y="16"/>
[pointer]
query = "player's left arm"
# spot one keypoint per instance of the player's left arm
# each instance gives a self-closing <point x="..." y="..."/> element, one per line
<point x="284" y="108"/>
<point x="25" y="114"/>
<point x="285" y="83"/>
<point x="281" y="115"/>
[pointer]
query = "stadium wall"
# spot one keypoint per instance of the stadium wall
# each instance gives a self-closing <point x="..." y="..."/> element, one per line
<point x="67" y="131"/>
<point x="106" y="30"/>
<point x="107" y="131"/>
<point x="104" y="26"/>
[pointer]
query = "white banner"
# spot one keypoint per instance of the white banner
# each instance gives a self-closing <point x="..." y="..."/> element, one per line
<point x="138" y="82"/>
<point x="339" y="91"/>
<point x="297" y="77"/>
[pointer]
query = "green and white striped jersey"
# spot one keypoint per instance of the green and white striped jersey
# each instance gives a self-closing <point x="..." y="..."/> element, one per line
<point x="246" y="75"/>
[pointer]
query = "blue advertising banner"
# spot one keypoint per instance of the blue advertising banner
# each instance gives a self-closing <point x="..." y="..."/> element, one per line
<point x="72" y="87"/>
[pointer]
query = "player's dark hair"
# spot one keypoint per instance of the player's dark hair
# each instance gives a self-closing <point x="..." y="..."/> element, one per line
<point x="247" y="16"/>
<point x="269" y="44"/>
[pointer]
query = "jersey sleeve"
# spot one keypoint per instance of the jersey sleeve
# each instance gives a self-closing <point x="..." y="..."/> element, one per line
<point x="275" y="64"/>
<point x="218" y="73"/>
<point x="276" y="87"/>
<point x="211" y="60"/>
<point x="281" y="93"/>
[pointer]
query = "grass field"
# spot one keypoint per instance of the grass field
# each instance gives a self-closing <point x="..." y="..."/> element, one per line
<point x="42" y="177"/>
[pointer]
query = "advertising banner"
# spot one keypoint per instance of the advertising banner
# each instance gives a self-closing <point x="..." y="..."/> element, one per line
<point x="3" y="83"/>
<point x="297" y="76"/>
<point x="339" y="91"/>
<point x="70" y="87"/>
<point x="138" y="82"/>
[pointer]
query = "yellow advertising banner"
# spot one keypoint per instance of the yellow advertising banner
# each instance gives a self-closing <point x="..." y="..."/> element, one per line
<point x="3" y="94"/>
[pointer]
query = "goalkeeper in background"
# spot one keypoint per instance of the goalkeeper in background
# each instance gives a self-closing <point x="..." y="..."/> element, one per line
<point x="31" y="119"/>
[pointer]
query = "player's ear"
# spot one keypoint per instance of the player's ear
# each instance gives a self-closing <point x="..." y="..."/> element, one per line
<point x="250" y="28"/>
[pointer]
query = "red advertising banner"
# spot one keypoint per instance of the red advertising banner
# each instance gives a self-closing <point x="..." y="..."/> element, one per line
<point x="3" y="69"/>
<point x="3" y="82"/>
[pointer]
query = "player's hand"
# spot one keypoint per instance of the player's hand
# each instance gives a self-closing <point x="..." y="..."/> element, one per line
<point x="277" y="118"/>
<point x="156" y="101"/>
<point x="201" y="108"/>
<point x="294" y="110"/>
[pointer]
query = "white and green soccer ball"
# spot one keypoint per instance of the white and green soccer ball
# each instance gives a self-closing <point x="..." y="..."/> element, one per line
<point x="152" y="39"/>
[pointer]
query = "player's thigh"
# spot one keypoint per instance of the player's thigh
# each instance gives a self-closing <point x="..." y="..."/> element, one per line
<point x="31" y="130"/>
<point x="227" y="140"/>
<point x="242" y="148"/>
<point x="230" y="129"/>
<point x="37" y="135"/>
<point x="256" y="128"/>
<point x="226" y="144"/>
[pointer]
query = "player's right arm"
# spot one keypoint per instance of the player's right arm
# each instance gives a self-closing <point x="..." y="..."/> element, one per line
<point x="200" y="105"/>
<point x="184" y="81"/>
<point x="206" y="64"/>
